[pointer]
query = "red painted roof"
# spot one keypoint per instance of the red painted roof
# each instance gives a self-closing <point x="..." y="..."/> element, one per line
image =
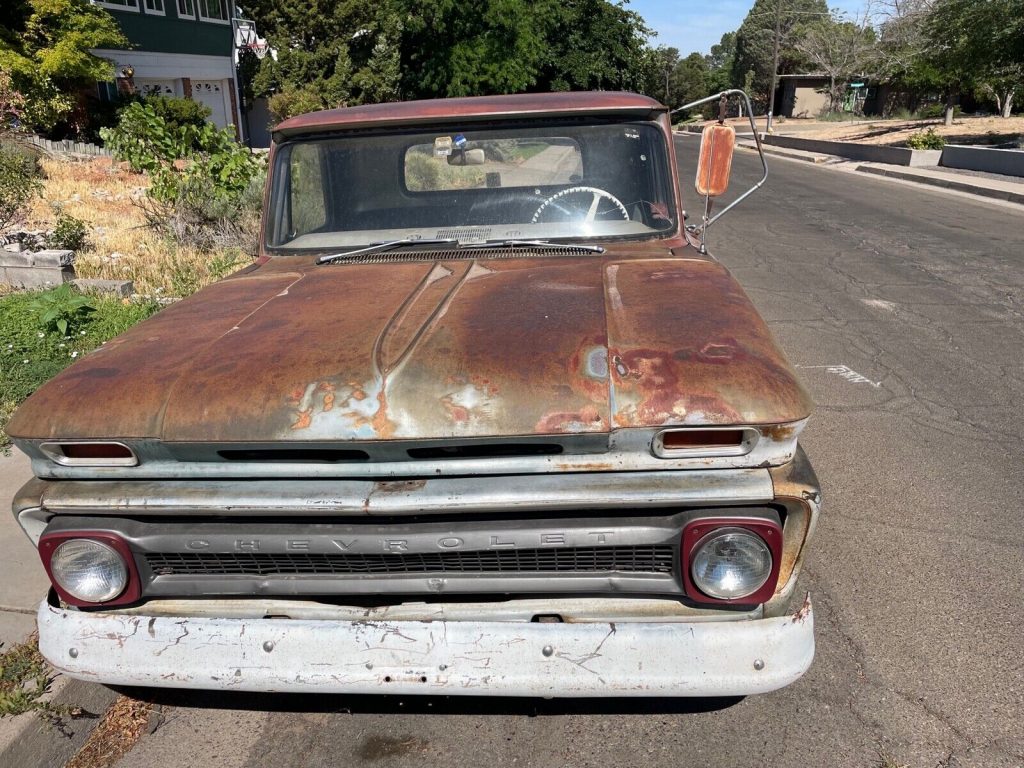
<point x="472" y="108"/>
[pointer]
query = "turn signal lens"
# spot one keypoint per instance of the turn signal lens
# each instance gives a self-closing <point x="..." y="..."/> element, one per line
<point x="730" y="563"/>
<point x="89" y="570"/>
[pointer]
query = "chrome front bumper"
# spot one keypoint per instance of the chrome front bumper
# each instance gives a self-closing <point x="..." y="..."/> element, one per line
<point x="491" y="658"/>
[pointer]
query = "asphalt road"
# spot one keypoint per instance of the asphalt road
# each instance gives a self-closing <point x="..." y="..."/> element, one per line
<point x="904" y="310"/>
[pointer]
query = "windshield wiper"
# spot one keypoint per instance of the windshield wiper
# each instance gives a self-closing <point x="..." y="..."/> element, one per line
<point x="388" y="245"/>
<point x="536" y="244"/>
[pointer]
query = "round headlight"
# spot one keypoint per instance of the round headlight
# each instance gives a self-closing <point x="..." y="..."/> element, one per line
<point x="89" y="570"/>
<point x="730" y="563"/>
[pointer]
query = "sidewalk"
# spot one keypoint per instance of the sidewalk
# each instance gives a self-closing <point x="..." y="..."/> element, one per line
<point x="24" y="583"/>
<point x="945" y="178"/>
<point x="29" y="740"/>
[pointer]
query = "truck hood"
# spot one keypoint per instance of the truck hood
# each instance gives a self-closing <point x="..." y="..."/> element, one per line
<point x="435" y="350"/>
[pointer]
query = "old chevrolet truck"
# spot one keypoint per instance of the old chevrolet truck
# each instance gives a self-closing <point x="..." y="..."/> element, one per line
<point x="482" y="418"/>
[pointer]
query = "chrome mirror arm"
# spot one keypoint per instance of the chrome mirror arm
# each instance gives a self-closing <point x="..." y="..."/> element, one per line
<point x="707" y="222"/>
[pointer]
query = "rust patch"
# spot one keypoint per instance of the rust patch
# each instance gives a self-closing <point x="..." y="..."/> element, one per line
<point x="397" y="486"/>
<point x="779" y="432"/>
<point x="588" y="466"/>
<point x="805" y="610"/>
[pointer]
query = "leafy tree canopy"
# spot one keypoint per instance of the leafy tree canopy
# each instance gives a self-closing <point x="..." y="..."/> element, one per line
<point x="45" y="46"/>
<point x="755" y="40"/>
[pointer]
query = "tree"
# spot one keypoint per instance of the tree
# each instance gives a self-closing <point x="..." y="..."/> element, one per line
<point x="469" y="48"/>
<point x="969" y="48"/>
<point x="664" y="61"/>
<point x="719" y="61"/>
<point x="690" y="80"/>
<point x="839" y="49"/>
<point x="47" y="50"/>
<point x="766" y="41"/>
<point x="321" y="46"/>
<point x="593" y="45"/>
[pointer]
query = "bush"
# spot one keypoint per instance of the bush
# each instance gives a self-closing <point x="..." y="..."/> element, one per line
<point x="20" y="181"/>
<point x="926" y="140"/>
<point x="299" y="101"/>
<point x="145" y="140"/>
<point x="935" y="111"/>
<point x="178" y="112"/>
<point x="205" y="190"/>
<point x="33" y="351"/>
<point x="69" y="233"/>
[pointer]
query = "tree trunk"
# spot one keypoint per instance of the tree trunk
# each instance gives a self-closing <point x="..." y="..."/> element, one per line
<point x="832" y="93"/>
<point x="950" y="106"/>
<point x="1007" y="110"/>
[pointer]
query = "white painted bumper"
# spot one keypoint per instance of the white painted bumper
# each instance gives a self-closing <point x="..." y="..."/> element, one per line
<point x="442" y="657"/>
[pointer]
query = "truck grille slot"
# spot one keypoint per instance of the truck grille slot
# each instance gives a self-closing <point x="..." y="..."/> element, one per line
<point x="640" y="559"/>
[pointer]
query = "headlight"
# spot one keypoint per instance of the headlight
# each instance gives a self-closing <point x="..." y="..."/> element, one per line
<point x="730" y="563"/>
<point x="89" y="570"/>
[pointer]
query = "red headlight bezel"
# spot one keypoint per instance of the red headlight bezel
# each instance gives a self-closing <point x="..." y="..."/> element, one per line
<point x="48" y="544"/>
<point x="769" y="531"/>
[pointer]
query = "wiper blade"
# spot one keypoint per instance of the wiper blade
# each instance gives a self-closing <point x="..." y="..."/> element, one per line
<point x="388" y="245"/>
<point x="536" y="244"/>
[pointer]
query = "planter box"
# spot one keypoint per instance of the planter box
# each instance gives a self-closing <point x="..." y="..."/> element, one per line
<point x="1009" y="162"/>
<point x="868" y="153"/>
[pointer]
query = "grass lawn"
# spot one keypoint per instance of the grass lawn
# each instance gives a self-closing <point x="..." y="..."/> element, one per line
<point x="33" y="351"/>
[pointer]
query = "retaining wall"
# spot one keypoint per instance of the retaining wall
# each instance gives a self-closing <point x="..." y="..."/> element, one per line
<point x="868" y="153"/>
<point x="1009" y="162"/>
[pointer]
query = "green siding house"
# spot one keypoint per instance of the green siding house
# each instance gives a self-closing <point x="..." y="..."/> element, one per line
<point x="181" y="48"/>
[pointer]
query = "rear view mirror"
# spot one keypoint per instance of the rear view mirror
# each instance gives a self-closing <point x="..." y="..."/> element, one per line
<point x="715" y="164"/>
<point x="466" y="157"/>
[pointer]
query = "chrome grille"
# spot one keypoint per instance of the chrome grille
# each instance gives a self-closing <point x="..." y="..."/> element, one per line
<point x="639" y="559"/>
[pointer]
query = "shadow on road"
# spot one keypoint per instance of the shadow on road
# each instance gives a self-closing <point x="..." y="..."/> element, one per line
<point x="422" y="705"/>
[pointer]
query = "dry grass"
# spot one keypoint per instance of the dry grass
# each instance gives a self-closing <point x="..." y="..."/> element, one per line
<point x="965" y="130"/>
<point x="122" y="246"/>
<point x="116" y="734"/>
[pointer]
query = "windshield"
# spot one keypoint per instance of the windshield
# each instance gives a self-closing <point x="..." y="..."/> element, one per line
<point x="579" y="180"/>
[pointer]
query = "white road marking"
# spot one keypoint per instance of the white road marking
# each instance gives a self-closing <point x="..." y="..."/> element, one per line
<point x="847" y="373"/>
<point x="880" y="304"/>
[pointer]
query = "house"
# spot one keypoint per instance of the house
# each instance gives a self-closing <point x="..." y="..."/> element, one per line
<point x="801" y="95"/>
<point x="182" y="48"/>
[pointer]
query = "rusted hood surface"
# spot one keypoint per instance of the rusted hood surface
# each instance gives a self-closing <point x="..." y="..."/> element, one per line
<point x="432" y="350"/>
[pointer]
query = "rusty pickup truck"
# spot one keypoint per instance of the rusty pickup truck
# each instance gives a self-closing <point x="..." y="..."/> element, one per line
<point x="483" y="417"/>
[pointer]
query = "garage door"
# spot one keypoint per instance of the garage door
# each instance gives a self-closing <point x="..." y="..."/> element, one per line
<point x="213" y="94"/>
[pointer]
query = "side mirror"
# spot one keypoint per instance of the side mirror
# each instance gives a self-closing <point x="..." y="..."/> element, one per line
<point x="715" y="164"/>
<point x="467" y="157"/>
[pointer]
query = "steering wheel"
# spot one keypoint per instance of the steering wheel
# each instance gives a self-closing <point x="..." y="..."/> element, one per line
<point x="597" y="195"/>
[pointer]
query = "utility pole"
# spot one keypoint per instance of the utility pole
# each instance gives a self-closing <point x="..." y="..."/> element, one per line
<point x="775" y="63"/>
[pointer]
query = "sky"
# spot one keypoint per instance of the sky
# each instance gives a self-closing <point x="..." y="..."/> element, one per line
<point x="696" y="25"/>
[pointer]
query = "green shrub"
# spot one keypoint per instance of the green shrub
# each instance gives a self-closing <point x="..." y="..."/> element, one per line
<point x="62" y="310"/>
<point x="178" y="112"/>
<point x="926" y="140"/>
<point x="935" y="111"/>
<point x="20" y="181"/>
<point x="69" y="233"/>
<point x="32" y="352"/>
<point x="205" y="188"/>
<point x="145" y="140"/>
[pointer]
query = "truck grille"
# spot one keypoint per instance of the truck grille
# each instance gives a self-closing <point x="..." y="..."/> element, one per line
<point x="641" y="559"/>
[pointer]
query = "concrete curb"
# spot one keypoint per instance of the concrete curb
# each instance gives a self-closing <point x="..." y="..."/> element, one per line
<point x="30" y="741"/>
<point x="947" y="183"/>
<point x="807" y="157"/>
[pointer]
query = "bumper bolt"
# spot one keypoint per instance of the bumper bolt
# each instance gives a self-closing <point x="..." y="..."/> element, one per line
<point x="442" y="667"/>
<point x="73" y="653"/>
<point x="268" y="646"/>
<point x="758" y="664"/>
<point x="548" y="650"/>
<point x="369" y="665"/>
